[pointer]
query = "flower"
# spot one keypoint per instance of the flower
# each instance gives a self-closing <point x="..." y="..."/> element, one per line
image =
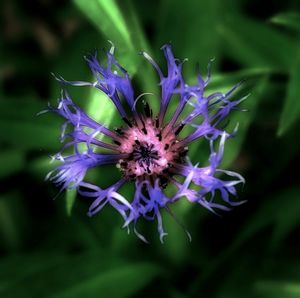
<point x="149" y="151"/>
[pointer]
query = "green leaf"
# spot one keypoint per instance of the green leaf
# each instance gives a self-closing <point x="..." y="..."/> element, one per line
<point x="9" y="232"/>
<point x="277" y="277"/>
<point x="291" y="109"/>
<point x="70" y="200"/>
<point x="14" y="220"/>
<point x="277" y="289"/>
<point x="282" y="214"/>
<point x="108" y="18"/>
<point x="41" y="166"/>
<point x="29" y="135"/>
<point x="11" y="162"/>
<point x="73" y="275"/>
<point x="196" y="39"/>
<point x="289" y="19"/>
<point x="255" y="44"/>
<point x="279" y="212"/>
<point x="20" y="108"/>
<point x="119" y="282"/>
<point x="21" y="127"/>
<point x="36" y="271"/>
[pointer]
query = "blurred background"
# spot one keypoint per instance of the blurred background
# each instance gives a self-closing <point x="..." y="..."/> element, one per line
<point x="50" y="248"/>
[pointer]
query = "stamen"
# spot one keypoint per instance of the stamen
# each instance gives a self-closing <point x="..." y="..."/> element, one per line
<point x="159" y="136"/>
<point x="163" y="181"/>
<point x="127" y="122"/>
<point x="179" y="129"/>
<point x="119" y="131"/>
<point x="184" y="152"/>
<point x="147" y="109"/>
<point x="144" y="130"/>
<point x="156" y="122"/>
<point x="124" y="164"/>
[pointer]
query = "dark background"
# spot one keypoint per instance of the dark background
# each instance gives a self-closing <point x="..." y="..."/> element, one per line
<point x="50" y="248"/>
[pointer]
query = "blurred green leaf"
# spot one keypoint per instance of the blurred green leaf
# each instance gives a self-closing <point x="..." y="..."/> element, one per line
<point x="20" y="109"/>
<point x="9" y="233"/>
<point x="279" y="212"/>
<point x="15" y="269"/>
<point x="40" y="166"/>
<point x="11" y="162"/>
<point x="225" y="81"/>
<point x="291" y="109"/>
<point x="13" y="220"/>
<point x="277" y="277"/>
<point x="196" y="39"/>
<point x="34" y="272"/>
<point x="108" y="18"/>
<point x="20" y="125"/>
<point x="119" y="282"/>
<point x="70" y="200"/>
<point x="238" y="281"/>
<point x="177" y="242"/>
<point x="24" y="134"/>
<point x="255" y="44"/>
<point x="71" y="275"/>
<point x="289" y="19"/>
<point x="277" y="289"/>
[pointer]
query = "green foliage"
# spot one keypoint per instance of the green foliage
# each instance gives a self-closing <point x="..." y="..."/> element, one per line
<point x="291" y="108"/>
<point x="11" y="162"/>
<point x="20" y="119"/>
<point x="108" y="18"/>
<point x="288" y="19"/>
<point x="119" y="282"/>
<point x="243" y="43"/>
<point x="93" y="277"/>
<point x="70" y="200"/>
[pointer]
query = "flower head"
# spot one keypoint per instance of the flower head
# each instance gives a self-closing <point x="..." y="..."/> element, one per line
<point x="149" y="151"/>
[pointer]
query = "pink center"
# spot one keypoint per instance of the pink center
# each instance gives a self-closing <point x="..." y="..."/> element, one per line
<point x="150" y="148"/>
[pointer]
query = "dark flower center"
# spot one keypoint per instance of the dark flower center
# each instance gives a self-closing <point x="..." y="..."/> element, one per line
<point x="145" y="154"/>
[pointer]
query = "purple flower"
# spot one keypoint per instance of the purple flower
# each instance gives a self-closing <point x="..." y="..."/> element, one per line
<point x="149" y="151"/>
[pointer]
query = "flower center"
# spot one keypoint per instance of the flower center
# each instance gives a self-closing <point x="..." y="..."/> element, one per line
<point x="144" y="154"/>
<point x="151" y="150"/>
